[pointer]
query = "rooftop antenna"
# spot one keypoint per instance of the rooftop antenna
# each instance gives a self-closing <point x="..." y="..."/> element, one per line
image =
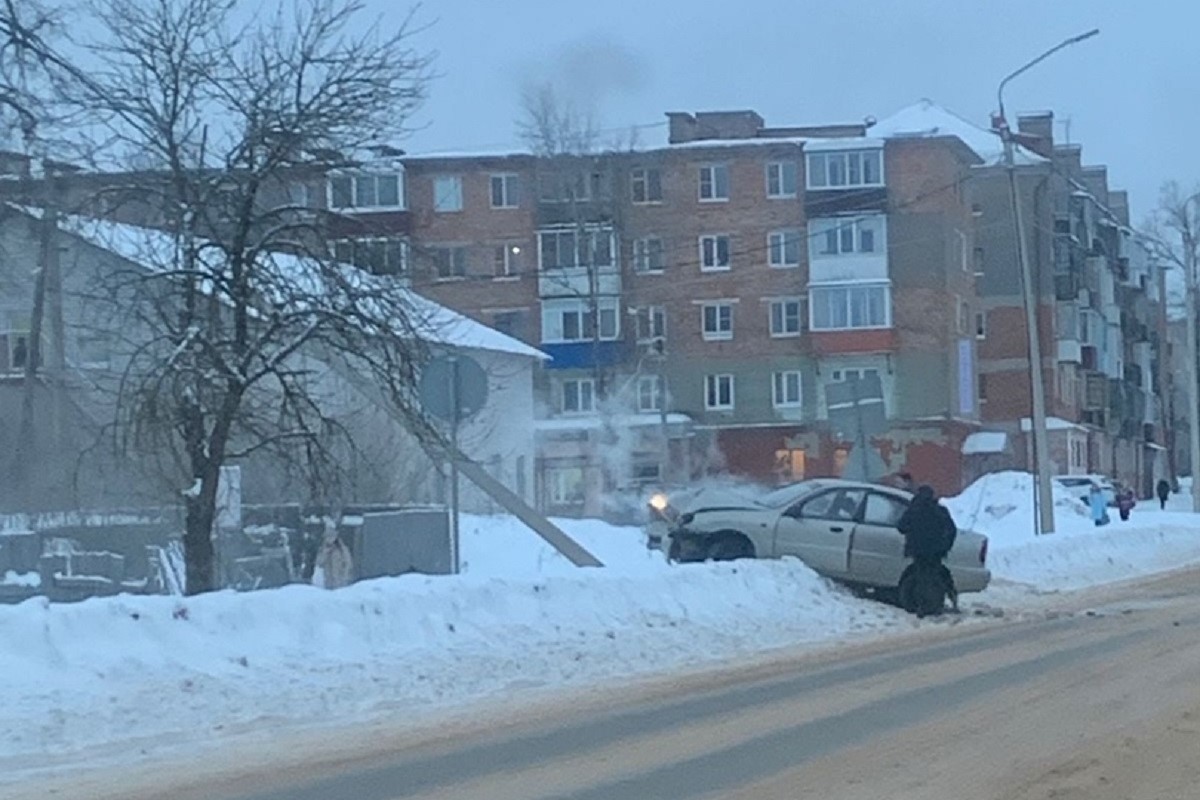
<point x="1066" y="126"/>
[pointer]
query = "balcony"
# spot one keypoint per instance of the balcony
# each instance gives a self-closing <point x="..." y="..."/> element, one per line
<point x="579" y="282"/>
<point x="585" y="355"/>
<point x="1070" y="350"/>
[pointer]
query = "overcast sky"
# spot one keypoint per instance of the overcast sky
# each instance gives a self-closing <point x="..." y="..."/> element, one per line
<point x="1131" y="95"/>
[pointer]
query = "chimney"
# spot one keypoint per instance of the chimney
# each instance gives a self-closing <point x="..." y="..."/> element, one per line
<point x="1095" y="178"/>
<point x="729" y="124"/>
<point x="681" y="127"/>
<point x="1041" y="126"/>
<point x="1118" y="202"/>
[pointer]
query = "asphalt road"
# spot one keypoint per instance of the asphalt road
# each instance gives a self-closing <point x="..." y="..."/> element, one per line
<point x="1084" y="704"/>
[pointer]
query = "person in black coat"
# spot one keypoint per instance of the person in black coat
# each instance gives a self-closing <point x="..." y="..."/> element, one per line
<point x="929" y="533"/>
<point x="1163" y="490"/>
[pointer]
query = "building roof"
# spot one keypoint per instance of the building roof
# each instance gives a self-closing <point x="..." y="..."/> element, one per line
<point x="926" y="118"/>
<point x="985" y="442"/>
<point x="434" y="323"/>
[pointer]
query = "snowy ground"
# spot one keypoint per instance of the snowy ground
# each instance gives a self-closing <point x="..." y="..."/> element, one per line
<point x="136" y="672"/>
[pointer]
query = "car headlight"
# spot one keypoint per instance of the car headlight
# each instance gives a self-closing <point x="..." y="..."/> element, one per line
<point x="659" y="502"/>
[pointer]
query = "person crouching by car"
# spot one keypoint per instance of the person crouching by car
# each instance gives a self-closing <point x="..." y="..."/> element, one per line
<point x="1125" y="503"/>
<point x="929" y="533"/>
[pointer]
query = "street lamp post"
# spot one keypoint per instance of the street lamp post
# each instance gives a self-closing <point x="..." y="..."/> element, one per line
<point x="1029" y="293"/>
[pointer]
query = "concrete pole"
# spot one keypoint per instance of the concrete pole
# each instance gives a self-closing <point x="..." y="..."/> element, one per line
<point x="1193" y="384"/>
<point x="1029" y="293"/>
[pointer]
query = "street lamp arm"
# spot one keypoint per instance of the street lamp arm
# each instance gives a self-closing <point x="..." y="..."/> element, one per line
<point x="1038" y="60"/>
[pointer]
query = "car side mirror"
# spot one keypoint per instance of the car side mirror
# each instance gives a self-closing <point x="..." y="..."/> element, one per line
<point x="793" y="512"/>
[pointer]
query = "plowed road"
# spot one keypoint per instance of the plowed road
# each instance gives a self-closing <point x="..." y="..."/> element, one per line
<point x="1092" y="704"/>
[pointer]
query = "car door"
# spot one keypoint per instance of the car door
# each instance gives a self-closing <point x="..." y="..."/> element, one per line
<point x="877" y="555"/>
<point x="818" y="530"/>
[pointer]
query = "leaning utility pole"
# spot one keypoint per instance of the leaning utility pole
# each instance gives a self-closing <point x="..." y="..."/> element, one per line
<point x="1029" y="294"/>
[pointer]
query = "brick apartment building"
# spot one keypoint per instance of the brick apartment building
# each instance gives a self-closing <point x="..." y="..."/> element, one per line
<point x="699" y="298"/>
<point x="702" y="300"/>
<point x="1101" y="315"/>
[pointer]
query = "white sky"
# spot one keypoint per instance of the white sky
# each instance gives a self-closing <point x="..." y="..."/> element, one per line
<point x="1131" y="94"/>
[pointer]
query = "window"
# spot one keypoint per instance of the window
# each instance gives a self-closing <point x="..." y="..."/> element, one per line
<point x="578" y="396"/>
<point x="839" y="236"/>
<point x="978" y="261"/>
<point x="564" y="249"/>
<point x="648" y="254"/>
<point x="717" y="321"/>
<point x="565" y="321"/>
<point x="848" y="307"/>
<point x="714" y="252"/>
<point x="646" y="185"/>
<point x="366" y="191"/>
<point x="507" y="260"/>
<point x="839" y="170"/>
<point x="983" y="388"/>
<point x="651" y="323"/>
<point x="961" y="253"/>
<point x="447" y="193"/>
<point x="718" y="392"/>
<point x="838" y="504"/>
<point x="785" y="248"/>
<point x="790" y="464"/>
<point x="568" y="186"/>
<point x="781" y="179"/>
<point x="379" y="255"/>
<point x="980" y="325"/>
<point x="566" y="485"/>
<point x="650" y="395"/>
<point x="785" y="317"/>
<point x="506" y="191"/>
<point x="882" y="509"/>
<point x="714" y="183"/>
<point x="14" y="351"/>
<point x="964" y="316"/>
<point x="510" y="323"/>
<point x="449" y="262"/>
<point x="785" y="389"/>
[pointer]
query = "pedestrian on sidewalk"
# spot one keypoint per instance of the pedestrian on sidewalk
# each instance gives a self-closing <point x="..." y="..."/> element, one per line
<point x="1098" y="506"/>
<point x="1163" y="490"/>
<point x="1125" y="503"/>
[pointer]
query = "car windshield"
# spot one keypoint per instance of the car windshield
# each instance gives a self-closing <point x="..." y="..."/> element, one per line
<point x="786" y="495"/>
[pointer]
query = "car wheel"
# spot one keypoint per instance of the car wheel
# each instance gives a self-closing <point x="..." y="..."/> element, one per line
<point x="730" y="547"/>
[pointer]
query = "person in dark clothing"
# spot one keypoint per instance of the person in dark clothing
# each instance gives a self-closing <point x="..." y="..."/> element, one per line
<point x="1125" y="503"/>
<point x="1163" y="490"/>
<point x="929" y="533"/>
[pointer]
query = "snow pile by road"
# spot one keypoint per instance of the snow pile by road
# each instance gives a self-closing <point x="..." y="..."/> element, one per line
<point x="501" y="546"/>
<point x="1078" y="554"/>
<point x="111" y="670"/>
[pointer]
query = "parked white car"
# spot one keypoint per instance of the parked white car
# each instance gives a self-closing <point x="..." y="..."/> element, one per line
<point x="1080" y="486"/>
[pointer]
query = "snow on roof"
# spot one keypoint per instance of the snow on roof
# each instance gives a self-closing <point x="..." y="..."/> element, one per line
<point x="596" y="421"/>
<point x="1053" y="424"/>
<point x="984" y="442"/>
<point x="928" y="119"/>
<point x="435" y="323"/>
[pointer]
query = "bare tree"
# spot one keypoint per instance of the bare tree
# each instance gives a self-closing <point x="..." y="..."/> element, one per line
<point x="1174" y="237"/>
<point x="237" y="321"/>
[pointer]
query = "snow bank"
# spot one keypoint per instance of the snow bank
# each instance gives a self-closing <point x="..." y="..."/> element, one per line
<point x="1078" y="554"/>
<point x="1000" y="505"/>
<point x="114" y="669"/>
<point x="501" y="546"/>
